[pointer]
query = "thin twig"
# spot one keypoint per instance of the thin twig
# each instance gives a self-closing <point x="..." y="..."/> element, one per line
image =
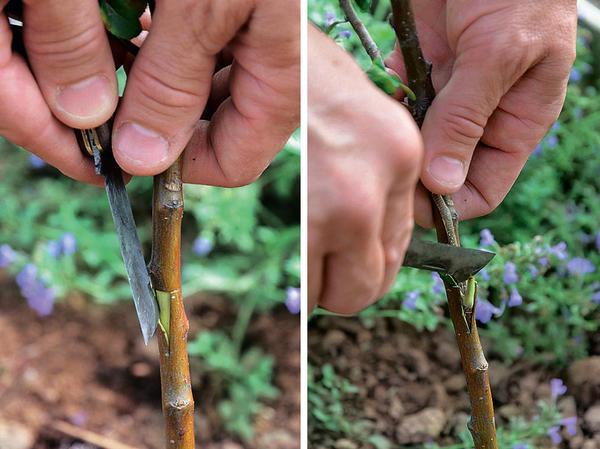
<point x="418" y="70"/>
<point x="363" y="34"/>
<point x="449" y="218"/>
<point x="88" y="436"/>
<point x="165" y="273"/>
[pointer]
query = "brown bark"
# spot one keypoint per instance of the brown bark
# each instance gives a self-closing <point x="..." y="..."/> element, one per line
<point x="418" y="69"/>
<point x="164" y="268"/>
<point x="482" y="423"/>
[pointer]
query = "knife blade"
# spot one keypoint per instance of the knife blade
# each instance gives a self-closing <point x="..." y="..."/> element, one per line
<point x="456" y="261"/>
<point x="97" y="142"/>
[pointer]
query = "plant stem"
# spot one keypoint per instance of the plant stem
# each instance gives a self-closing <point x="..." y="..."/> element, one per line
<point x="475" y="367"/>
<point x="418" y="69"/>
<point x="363" y="34"/>
<point x="165" y="273"/>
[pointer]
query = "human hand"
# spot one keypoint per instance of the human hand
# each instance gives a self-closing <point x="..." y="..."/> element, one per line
<point x="256" y="97"/>
<point x="364" y="153"/>
<point x="71" y="83"/>
<point x="501" y="72"/>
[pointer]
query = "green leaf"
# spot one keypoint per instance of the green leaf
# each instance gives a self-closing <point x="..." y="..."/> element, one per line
<point x="449" y="280"/>
<point x="385" y="81"/>
<point x="364" y="5"/>
<point x="121" y="17"/>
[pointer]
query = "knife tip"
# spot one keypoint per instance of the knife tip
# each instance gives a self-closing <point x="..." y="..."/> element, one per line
<point x="148" y="333"/>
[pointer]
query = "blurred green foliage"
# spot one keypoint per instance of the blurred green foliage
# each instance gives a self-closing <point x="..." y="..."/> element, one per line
<point x="247" y="377"/>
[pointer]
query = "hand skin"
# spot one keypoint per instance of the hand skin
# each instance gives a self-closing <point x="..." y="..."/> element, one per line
<point x="364" y="154"/>
<point x="500" y="70"/>
<point x="256" y="97"/>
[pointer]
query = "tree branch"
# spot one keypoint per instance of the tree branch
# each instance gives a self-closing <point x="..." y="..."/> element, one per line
<point x="418" y="70"/>
<point x="363" y="34"/>
<point x="164" y="268"/>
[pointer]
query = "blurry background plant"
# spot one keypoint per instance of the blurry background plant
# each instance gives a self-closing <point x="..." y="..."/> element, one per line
<point x="539" y="298"/>
<point x="57" y="237"/>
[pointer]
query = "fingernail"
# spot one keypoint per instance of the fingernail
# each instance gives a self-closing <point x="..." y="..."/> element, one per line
<point x="447" y="171"/>
<point x="140" y="145"/>
<point x="87" y="98"/>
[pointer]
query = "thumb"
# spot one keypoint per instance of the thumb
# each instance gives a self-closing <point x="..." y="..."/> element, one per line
<point x="169" y="82"/>
<point x="454" y="124"/>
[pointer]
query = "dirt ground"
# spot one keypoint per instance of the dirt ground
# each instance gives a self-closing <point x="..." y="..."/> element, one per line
<point x="411" y="387"/>
<point x="82" y="378"/>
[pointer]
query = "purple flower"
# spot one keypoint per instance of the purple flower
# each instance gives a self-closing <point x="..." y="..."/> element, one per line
<point x="68" y="243"/>
<point x="596" y="297"/>
<point x="41" y="299"/>
<point x="519" y="350"/>
<point x="484" y="274"/>
<point x="487" y="238"/>
<point x="560" y="251"/>
<point x="587" y="68"/>
<point x="438" y="287"/>
<point x="574" y="76"/>
<point x="27" y="275"/>
<point x="580" y="265"/>
<point x="53" y="248"/>
<point x="329" y="19"/>
<point x="534" y="271"/>
<point x="598" y="241"/>
<point x="510" y="273"/>
<point x="410" y="301"/>
<point x="543" y="261"/>
<point x="571" y="424"/>
<point x="79" y="419"/>
<point x="538" y="149"/>
<point x="553" y="433"/>
<point x="515" y="298"/>
<point x="202" y="246"/>
<point x="346" y="34"/>
<point x="551" y="141"/>
<point x="520" y="446"/>
<point x="292" y="300"/>
<point x="578" y="113"/>
<point x="557" y="387"/>
<point x="556" y="125"/>
<point x="7" y="255"/>
<point x="485" y="310"/>
<point x="36" y="162"/>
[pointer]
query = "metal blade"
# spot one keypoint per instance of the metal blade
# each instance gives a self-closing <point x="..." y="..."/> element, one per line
<point x="131" y="250"/>
<point x="458" y="262"/>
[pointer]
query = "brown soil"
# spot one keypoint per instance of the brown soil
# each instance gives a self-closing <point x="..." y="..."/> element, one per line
<point x="411" y="388"/>
<point x="84" y="373"/>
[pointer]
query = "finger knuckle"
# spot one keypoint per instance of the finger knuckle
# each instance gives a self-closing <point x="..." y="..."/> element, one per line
<point x="72" y="50"/>
<point x="363" y="294"/>
<point x="162" y="93"/>
<point x="242" y="177"/>
<point x="463" y="123"/>
<point x="515" y="49"/>
<point x="215" y="22"/>
<point x="356" y="211"/>
<point x="406" y="150"/>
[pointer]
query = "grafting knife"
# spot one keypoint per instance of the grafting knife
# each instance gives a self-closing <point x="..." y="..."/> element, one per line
<point x="97" y="143"/>
<point x="458" y="262"/>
